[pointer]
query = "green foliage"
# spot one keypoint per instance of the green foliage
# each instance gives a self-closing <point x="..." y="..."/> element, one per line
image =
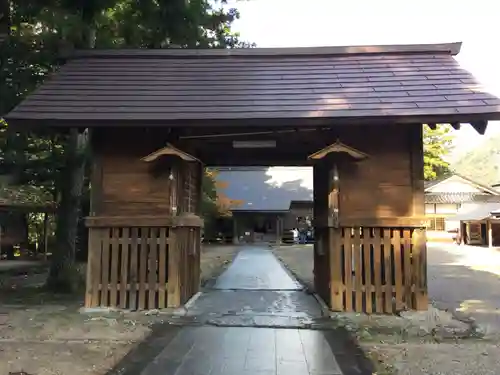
<point x="41" y="166"/>
<point x="483" y="163"/>
<point x="164" y="23"/>
<point x="209" y="209"/>
<point x="437" y="145"/>
<point x="38" y="31"/>
<point x="209" y="191"/>
<point x="24" y="195"/>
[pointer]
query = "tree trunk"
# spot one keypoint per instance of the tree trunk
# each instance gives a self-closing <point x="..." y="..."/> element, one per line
<point x="63" y="275"/>
<point x="4" y="19"/>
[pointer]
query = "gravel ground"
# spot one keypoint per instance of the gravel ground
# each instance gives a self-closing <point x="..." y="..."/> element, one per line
<point x="43" y="334"/>
<point x="461" y="279"/>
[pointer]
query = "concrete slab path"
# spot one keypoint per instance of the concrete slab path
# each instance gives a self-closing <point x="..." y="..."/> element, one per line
<point x="256" y="269"/>
<point x="256" y="291"/>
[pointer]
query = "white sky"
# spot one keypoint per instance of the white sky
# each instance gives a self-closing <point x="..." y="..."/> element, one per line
<point x="302" y="23"/>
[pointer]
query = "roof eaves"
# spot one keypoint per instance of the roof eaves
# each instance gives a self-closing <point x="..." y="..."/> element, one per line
<point x="488" y="189"/>
<point x="481" y="186"/>
<point x="27" y="121"/>
<point x="442" y="48"/>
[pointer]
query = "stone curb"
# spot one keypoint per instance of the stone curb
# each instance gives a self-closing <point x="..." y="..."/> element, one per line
<point x="188" y="304"/>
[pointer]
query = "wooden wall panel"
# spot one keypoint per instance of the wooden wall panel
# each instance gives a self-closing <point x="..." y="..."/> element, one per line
<point x="383" y="184"/>
<point x="130" y="186"/>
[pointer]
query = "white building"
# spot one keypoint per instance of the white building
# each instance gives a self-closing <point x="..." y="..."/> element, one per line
<point x="455" y="194"/>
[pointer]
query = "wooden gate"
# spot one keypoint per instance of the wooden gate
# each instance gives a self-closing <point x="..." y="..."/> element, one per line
<point x="378" y="269"/>
<point x="151" y="264"/>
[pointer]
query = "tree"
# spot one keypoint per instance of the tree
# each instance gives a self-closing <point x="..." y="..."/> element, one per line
<point x="482" y="163"/>
<point x="437" y="145"/>
<point x="215" y="204"/>
<point x="39" y="30"/>
<point x="4" y="19"/>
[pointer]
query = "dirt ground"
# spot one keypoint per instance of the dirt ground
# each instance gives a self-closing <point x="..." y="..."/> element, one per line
<point x="393" y="343"/>
<point x="44" y="334"/>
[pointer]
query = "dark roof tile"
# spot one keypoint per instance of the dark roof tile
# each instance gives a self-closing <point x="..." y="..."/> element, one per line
<point x="335" y="82"/>
<point x="460" y="198"/>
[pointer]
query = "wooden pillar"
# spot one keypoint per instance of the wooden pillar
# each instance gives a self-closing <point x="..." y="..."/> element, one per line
<point x="199" y="192"/>
<point x="188" y="239"/>
<point x="321" y="238"/>
<point x="335" y="240"/>
<point x="93" y="276"/>
<point x="419" y="250"/>
<point x="489" y="233"/>
<point x="174" y="276"/>
<point x="96" y="177"/>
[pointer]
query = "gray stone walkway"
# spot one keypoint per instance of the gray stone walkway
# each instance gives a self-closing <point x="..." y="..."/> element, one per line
<point x="246" y="351"/>
<point x="252" y="322"/>
<point x="256" y="269"/>
<point x="256" y="290"/>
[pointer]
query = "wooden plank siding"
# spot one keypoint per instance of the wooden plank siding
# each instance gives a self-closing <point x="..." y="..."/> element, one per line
<point x="382" y="184"/>
<point x="137" y="268"/>
<point x="144" y="231"/>
<point x="380" y="270"/>
<point x="126" y="186"/>
<point x="377" y="257"/>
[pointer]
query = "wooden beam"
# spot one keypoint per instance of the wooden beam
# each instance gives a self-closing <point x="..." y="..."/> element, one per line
<point x="456" y="125"/>
<point x="432" y="126"/>
<point x="333" y="197"/>
<point x="169" y="150"/>
<point x="143" y="221"/>
<point x="381" y="222"/>
<point x="338" y="147"/>
<point x="480" y="126"/>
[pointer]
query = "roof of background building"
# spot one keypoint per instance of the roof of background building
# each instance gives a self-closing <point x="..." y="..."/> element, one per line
<point x="460" y="197"/>
<point x="490" y="189"/>
<point x="480" y="212"/>
<point x="253" y="188"/>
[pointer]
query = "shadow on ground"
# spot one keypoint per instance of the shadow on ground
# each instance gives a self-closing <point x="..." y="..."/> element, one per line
<point x="146" y="351"/>
<point x="350" y="357"/>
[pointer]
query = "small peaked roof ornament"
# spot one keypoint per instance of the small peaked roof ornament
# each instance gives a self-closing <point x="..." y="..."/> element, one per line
<point x="338" y="147"/>
<point x="169" y="150"/>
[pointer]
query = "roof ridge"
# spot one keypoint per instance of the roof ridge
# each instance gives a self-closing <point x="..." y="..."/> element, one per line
<point x="441" y="48"/>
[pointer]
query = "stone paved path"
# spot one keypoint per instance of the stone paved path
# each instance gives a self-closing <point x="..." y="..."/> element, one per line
<point x="256" y="269"/>
<point x="256" y="292"/>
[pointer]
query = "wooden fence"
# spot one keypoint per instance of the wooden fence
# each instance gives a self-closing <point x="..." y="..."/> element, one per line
<point x="381" y="270"/>
<point x="142" y="267"/>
